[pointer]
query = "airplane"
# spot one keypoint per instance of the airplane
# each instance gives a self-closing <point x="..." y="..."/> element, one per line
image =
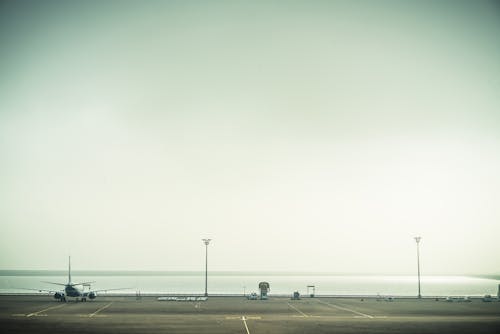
<point x="71" y="289"/>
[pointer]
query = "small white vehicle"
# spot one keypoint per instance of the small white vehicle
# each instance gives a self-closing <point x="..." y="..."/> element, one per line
<point x="489" y="298"/>
<point x="252" y="296"/>
<point x="459" y="299"/>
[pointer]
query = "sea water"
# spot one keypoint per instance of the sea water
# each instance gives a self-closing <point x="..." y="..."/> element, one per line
<point x="245" y="283"/>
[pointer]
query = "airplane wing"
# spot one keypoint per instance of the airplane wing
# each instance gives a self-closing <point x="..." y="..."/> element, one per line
<point x="40" y="290"/>
<point x="72" y="284"/>
<point x="82" y="283"/>
<point x="104" y="290"/>
<point x="54" y="283"/>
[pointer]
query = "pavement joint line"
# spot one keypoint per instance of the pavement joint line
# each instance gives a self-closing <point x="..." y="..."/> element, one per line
<point x="99" y="310"/>
<point x="296" y="309"/>
<point x="48" y="308"/>
<point x="346" y="309"/>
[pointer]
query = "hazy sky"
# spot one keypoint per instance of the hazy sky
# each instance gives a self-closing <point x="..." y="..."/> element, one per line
<point x="314" y="135"/>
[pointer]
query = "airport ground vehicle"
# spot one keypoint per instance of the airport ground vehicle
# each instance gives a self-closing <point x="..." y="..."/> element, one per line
<point x="252" y="296"/>
<point x="490" y="298"/>
<point x="459" y="299"/>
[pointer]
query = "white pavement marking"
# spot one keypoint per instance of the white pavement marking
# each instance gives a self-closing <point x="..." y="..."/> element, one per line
<point x="49" y="308"/>
<point x="240" y="318"/>
<point x="245" y="322"/>
<point x="244" y="319"/>
<point x="99" y="310"/>
<point x="346" y="309"/>
<point x="296" y="309"/>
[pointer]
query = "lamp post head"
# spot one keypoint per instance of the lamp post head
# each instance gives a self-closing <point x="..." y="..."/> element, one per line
<point x="417" y="239"/>
<point x="206" y="241"/>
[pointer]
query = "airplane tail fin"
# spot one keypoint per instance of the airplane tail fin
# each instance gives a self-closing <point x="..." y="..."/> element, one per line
<point x="70" y="282"/>
<point x="69" y="270"/>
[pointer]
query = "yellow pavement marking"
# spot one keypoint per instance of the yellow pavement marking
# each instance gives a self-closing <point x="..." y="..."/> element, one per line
<point x="48" y="308"/>
<point x="296" y="309"/>
<point x="99" y="310"/>
<point x="346" y="309"/>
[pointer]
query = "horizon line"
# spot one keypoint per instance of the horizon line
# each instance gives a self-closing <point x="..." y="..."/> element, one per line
<point x="141" y="272"/>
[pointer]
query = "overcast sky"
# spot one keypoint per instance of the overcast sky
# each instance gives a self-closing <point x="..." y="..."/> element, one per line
<point x="307" y="136"/>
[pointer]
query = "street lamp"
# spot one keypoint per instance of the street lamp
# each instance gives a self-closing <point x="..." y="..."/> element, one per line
<point x="206" y="241"/>
<point x="417" y="239"/>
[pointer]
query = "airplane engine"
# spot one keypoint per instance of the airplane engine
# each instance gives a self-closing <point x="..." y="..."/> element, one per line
<point x="58" y="295"/>
<point x="92" y="295"/>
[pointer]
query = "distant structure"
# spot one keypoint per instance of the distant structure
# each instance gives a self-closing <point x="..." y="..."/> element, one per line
<point x="264" y="288"/>
<point x="313" y="288"/>
<point x="498" y="293"/>
<point x="417" y="239"/>
<point x="206" y="242"/>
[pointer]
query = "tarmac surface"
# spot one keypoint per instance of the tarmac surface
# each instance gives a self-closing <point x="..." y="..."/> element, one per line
<point x="42" y="314"/>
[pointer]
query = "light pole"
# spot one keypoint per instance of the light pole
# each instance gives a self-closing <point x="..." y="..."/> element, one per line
<point x="206" y="241"/>
<point x="417" y="239"/>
